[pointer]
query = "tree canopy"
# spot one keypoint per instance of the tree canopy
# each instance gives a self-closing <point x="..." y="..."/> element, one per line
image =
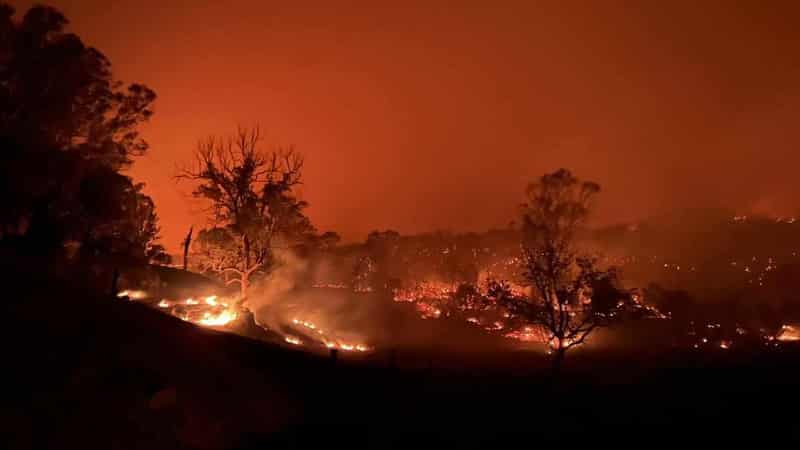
<point x="571" y="295"/>
<point x="252" y="205"/>
<point x="67" y="129"/>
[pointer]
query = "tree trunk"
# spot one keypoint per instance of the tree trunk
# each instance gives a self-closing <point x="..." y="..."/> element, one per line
<point x="244" y="283"/>
<point x="246" y="245"/>
<point x="186" y="244"/>
<point x="558" y="359"/>
<point x="245" y="280"/>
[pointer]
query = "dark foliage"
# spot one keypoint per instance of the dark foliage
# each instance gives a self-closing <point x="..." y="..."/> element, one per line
<point x="67" y="128"/>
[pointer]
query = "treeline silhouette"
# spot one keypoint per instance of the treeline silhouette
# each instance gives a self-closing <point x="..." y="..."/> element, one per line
<point x="68" y="131"/>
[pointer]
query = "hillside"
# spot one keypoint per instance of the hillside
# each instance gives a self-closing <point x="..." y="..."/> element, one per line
<point x="93" y="372"/>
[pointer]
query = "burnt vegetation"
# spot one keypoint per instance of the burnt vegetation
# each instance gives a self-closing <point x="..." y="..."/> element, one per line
<point x="268" y="332"/>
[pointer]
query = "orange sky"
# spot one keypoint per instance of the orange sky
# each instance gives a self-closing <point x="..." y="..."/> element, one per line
<point x="421" y="117"/>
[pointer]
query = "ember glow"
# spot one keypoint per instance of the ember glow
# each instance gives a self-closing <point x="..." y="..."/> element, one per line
<point x="556" y="343"/>
<point x="211" y="312"/>
<point x="788" y="333"/>
<point x="294" y="340"/>
<point x="432" y="299"/>
<point x="218" y="320"/>
<point x="425" y="291"/>
<point x="132" y="294"/>
<point x="328" y="339"/>
<point x="529" y="334"/>
<point x="437" y="301"/>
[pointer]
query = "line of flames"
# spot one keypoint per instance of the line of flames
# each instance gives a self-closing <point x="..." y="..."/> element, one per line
<point x="220" y="314"/>
<point x="325" y="338"/>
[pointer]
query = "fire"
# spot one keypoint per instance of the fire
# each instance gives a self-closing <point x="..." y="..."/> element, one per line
<point x="528" y="334"/>
<point x="496" y="326"/>
<point x="425" y="290"/>
<point x="554" y="341"/>
<point x="348" y="347"/>
<point x="218" y="320"/>
<point x="725" y="345"/>
<point x="293" y="340"/>
<point x="330" y="286"/>
<point x="427" y="311"/>
<point x="329" y="341"/>
<point x="788" y="333"/>
<point x="132" y="294"/>
<point x="210" y="312"/>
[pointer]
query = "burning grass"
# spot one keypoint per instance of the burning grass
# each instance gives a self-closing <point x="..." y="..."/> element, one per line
<point x="209" y="311"/>
<point x="319" y="329"/>
<point x="328" y="339"/>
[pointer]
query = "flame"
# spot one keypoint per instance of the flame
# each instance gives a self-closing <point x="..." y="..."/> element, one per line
<point x="221" y="319"/>
<point x="132" y="294"/>
<point x="348" y="347"/>
<point x="293" y="340"/>
<point x="529" y="334"/>
<point x="329" y="341"/>
<point x="554" y="342"/>
<point x="330" y="285"/>
<point x="788" y="333"/>
<point x="425" y="290"/>
<point x="496" y="326"/>
<point x="213" y="313"/>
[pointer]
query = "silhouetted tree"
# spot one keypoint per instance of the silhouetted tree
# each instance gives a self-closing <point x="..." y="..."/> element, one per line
<point x="57" y="93"/>
<point x="468" y="298"/>
<point x="374" y="271"/>
<point x="116" y="217"/>
<point x="561" y="277"/>
<point x="66" y="130"/>
<point x="252" y="201"/>
<point x="677" y="303"/>
<point x="607" y="295"/>
<point x="328" y="240"/>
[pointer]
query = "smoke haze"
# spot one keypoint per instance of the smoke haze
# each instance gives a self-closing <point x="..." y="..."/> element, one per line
<point x="422" y="116"/>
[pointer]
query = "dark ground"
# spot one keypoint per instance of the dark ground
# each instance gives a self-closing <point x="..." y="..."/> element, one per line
<point x="87" y="371"/>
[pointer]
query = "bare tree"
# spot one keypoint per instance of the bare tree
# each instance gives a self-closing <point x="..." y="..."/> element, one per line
<point x="561" y="277"/>
<point x="250" y="191"/>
